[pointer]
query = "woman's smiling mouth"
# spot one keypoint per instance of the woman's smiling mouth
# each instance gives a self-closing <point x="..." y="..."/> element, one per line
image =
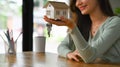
<point x="82" y="7"/>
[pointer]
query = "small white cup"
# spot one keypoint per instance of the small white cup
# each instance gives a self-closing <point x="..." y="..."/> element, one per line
<point x="39" y="44"/>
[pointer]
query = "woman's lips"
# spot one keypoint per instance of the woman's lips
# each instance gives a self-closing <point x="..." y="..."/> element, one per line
<point x="82" y="8"/>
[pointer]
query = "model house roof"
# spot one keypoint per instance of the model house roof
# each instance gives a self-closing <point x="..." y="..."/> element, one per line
<point x="58" y="5"/>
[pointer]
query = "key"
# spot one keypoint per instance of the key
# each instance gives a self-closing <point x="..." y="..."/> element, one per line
<point x="49" y="28"/>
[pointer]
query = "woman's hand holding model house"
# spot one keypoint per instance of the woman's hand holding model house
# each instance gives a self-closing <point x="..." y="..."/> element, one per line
<point x="63" y="22"/>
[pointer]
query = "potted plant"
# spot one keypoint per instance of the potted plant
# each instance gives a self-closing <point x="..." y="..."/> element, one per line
<point x="117" y="11"/>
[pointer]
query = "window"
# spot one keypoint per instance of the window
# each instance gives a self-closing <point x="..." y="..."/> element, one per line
<point x="57" y="12"/>
<point x="48" y="12"/>
<point x="64" y="13"/>
<point x="49" y="5"/>
<point x="57" y="34"/>
<point x="11" y="18"/>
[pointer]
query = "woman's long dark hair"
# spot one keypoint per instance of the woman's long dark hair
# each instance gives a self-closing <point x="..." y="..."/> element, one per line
<point x="84" y="21"/>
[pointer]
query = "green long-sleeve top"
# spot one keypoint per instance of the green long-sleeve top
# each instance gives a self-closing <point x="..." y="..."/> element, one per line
<point x="105" y="44"/>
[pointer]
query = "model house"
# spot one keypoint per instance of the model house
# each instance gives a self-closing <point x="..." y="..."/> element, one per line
<point x="56" y="9"/>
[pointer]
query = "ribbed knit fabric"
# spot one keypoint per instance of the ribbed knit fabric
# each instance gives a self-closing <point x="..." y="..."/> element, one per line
<point x="105" y="44"/>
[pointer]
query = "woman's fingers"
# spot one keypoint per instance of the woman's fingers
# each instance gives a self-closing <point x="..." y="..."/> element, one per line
<point x="77" y="53"/>
<point x="73" y="57"/>
<point x="76" y="58"/>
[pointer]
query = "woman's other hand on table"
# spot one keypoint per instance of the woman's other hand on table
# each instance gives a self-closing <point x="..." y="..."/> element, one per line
<point x="74" y="56"/>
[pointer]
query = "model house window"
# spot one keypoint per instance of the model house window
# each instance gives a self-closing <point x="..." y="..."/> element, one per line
<point x="64" y="13"/>
<point x="48" y="12"/>
<point x="49" y="5"/>
<point x="57" y="12"/>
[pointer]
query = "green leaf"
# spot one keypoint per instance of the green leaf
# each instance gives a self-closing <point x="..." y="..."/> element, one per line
<point x="117" y="11"/>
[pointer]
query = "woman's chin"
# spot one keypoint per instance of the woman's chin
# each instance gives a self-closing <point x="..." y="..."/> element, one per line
<point x="84" y="12"/>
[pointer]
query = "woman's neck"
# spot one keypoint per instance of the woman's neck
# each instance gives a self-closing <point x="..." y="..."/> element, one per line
<point x="97" y="17"/>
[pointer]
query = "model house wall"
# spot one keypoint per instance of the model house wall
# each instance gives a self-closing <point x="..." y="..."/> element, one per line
<point x="56" y="9"/>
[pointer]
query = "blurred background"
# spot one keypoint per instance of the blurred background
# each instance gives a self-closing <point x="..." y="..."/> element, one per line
<point x="11" y="17"/>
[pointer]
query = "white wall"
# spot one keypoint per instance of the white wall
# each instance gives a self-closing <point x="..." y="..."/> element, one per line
<point x="115" y="3"/>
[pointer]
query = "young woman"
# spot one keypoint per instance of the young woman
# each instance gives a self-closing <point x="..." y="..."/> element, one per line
<point x="95" y="37"/>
